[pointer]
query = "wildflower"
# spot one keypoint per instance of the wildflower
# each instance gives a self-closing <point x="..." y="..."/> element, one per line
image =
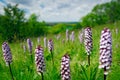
<point x="67" y="35"/>
<point x="105" y="58"/>
<point x="50" y="45"/>
<point x="6" y="53"/>
<point x="88" y="40"/>
<point x="30" y="44"/>
<point x="80" y="36"/>
<point x="45" y="42"/>
<point x="65" y="67"/>
<point x="39" y="59"/>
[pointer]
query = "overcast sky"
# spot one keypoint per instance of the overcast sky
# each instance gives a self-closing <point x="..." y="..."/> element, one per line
<point x="54" y="10"/>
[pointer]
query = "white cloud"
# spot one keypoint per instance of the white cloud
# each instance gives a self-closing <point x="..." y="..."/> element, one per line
<point x="56" y="10"/>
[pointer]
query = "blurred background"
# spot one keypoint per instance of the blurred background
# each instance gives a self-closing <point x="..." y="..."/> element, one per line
<point x="20" y="19"/>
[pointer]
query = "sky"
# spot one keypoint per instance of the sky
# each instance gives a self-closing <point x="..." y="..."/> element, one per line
<point x="54" y="10"/>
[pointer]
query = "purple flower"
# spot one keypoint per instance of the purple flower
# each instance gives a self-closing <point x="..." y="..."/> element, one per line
<point x="67" y="35"/>
<point x="65" y="67"/>
<point x="6" y="53"/>
<point x="30" y="44"/>
<point x="38" y="40"/>
<point x="105" y="58"/>
<point x="88" y="40"/>
<point x="39" y="59"/>
<point x="80" y="36"/>
<point x="72" y="37"/>
<point x="45" y="42"/>
<point x="50" y="45"/>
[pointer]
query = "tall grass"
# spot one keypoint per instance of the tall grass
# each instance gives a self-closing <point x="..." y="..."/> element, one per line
<point x="24" y="69"/>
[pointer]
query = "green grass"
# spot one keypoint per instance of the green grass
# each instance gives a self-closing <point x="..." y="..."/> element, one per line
<point x="24" y="69"/>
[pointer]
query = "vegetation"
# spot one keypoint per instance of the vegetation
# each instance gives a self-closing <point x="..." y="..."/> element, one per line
<point x="102" y="14"/>
<point x="61" y="27"/>
<point x="19" y="28"/>
<point x="14" y="27"/>
<point x="24" y="69"/>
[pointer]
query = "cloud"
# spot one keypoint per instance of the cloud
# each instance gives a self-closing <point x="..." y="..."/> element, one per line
<point x="22" y="2"/>
<point x="55" y="10"/>
<point x="1" y="7"/>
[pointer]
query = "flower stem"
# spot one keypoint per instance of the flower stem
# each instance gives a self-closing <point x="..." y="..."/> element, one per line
<point x="31" y="58"/>
<point x="89" y="60"/>
<point x="10" y="71"/>
<point x="42" y="76"/>
<point x="52" y="58"/>
<point x="105" y="74"/>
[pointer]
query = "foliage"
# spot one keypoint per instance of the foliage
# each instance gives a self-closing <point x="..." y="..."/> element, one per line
<point x="61" y="27"/>
<point x="89" y="72"/>
<point x="24" y="69"/>
<point x="14" y="26"/>
<point x="11" y="22"/>
<point x="36" y="28"/>
<point x="102" y="13"/>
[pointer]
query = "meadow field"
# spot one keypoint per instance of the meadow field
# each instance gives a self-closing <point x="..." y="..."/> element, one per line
<point x="24" y="68"/>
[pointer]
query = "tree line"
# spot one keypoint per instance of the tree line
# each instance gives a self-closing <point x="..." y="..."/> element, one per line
<point x="14" y="26"/>
<point x="108" y="12"/>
